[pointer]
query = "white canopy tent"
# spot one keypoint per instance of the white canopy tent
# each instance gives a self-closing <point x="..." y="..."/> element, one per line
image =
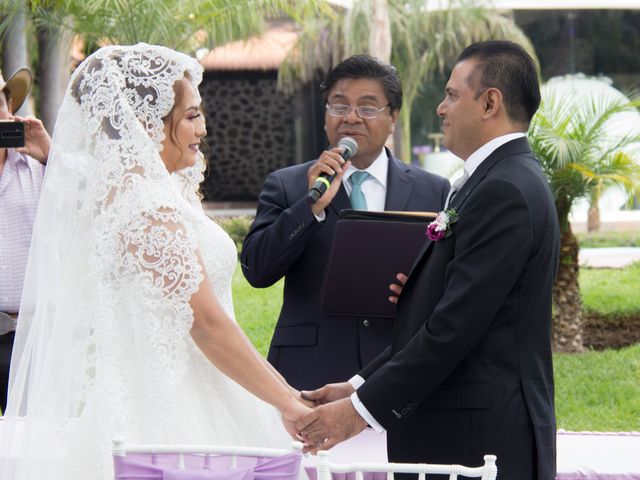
<point x="532" y="4"/>
<point x="563" y="4"/>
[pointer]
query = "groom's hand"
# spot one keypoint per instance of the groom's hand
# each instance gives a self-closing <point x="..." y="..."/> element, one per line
<point x="327" y="425"/>
<point x="396" y="288"/>
<point x="328" y="393"/>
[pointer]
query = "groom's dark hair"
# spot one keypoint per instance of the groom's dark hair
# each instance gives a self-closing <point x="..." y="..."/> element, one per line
<point x="367" y="67"/>
<point x="509" y="68"/>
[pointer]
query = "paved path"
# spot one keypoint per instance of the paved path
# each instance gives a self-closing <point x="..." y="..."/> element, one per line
<point x="609" y="257"/>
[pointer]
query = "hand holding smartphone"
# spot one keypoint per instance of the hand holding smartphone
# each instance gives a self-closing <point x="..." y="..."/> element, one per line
<point x="11" y="134"/>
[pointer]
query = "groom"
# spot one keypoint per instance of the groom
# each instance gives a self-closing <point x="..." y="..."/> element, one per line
<point x="469" y="371"/>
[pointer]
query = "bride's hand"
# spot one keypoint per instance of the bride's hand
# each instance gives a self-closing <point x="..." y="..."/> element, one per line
<point x="290" y="415"/>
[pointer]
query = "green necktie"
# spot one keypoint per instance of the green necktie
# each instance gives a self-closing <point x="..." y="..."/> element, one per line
<point x="357" y="197"/>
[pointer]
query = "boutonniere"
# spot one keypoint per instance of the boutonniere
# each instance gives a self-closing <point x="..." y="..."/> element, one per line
<point x="441" y="227"/>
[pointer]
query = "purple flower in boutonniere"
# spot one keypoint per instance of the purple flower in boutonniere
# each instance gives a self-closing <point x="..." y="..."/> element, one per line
<point x="441" y="227"/>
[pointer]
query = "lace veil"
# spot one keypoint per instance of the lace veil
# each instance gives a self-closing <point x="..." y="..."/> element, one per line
<point x="112" y="266"/>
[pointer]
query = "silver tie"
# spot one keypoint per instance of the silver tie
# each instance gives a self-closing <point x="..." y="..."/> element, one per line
<point x="457" y="185"/>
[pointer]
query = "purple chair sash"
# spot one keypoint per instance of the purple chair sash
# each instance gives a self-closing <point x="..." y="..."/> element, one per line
<point x="147" y="466"/>
<point x="235" y="474"/>
<point x="313" y="475"/>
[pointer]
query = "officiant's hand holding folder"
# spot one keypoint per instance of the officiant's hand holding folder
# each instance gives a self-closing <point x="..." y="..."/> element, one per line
<point x="368" y="250"/>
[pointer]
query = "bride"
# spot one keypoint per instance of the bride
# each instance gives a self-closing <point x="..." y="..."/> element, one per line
<point x="126" y="325"/>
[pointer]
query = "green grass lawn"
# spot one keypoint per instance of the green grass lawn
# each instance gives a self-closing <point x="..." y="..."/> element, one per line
<point x="609" y="239"/>
<point x="256" y="309"/>
<point x="597" y="391"/>
<point x="612" y="291"/>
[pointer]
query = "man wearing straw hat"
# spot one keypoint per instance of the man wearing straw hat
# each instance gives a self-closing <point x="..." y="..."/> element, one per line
<point x="21" y="173"/>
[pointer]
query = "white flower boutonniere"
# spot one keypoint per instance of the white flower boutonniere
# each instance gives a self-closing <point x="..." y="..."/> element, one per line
<point x="441" y="227"/>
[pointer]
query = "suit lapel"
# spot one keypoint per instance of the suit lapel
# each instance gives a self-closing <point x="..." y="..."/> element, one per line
<point x="399" y="185"/>
<point x="514" y="147"/>
<point x="423" y="251"/>
<point x="341" y="200"/>
<point x="517" y="146"/>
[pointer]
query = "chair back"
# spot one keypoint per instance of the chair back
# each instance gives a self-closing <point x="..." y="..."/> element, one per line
<point x="385" y="471"/>
<point x="202" y="462"/>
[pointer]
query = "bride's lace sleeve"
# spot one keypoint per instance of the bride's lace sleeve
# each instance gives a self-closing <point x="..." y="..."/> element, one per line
<point x="158" y="274"/>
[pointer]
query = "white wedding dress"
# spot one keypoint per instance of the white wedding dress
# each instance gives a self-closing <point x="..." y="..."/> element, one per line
<point x="103" y="347"/>
<point x="213" y="408"/>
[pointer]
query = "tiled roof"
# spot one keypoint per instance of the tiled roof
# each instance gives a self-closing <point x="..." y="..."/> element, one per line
<point x="264" y="52"/>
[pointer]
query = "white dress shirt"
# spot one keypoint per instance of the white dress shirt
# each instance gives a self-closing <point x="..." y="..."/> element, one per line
<point x="374" y="188"/>
<point x="470" y="166"/>
<point x="479" y="156"/>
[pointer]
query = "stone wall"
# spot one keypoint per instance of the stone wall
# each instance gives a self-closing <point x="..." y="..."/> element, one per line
<point x="250" y="133"/>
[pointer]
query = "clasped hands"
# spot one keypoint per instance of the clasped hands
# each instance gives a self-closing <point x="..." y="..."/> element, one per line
<point x="331" y="420"/>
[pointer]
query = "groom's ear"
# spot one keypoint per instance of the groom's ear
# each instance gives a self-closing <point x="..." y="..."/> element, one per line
<point x="492" y="101"/>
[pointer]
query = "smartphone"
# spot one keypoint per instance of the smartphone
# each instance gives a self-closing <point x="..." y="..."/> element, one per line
<point x="11" y="134"/>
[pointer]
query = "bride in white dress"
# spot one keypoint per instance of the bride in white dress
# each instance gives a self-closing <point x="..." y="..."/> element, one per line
<point x="126" y="325"/>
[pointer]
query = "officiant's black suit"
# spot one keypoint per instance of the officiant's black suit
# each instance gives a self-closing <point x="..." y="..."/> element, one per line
<point x="308" y="347"/>
<point x="471" y="372"/>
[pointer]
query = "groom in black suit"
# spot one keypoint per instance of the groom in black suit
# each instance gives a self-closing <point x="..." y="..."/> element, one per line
<point x="291" y="239"/>
<point x="470" y="371"/>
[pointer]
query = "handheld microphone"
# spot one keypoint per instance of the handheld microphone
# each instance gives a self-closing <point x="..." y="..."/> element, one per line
<point x="350" y="148"/>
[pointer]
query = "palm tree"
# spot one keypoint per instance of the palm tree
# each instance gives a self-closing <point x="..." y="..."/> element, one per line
<point x="580" y="159"/>
<point x="53" y="42"/>
<point x="184" y="25"/>
<point x="425" y="40"/>
<point x="14" y="55"/>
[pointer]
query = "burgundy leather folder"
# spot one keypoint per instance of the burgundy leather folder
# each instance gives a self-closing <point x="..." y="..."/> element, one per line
<point x="368" y="250"/>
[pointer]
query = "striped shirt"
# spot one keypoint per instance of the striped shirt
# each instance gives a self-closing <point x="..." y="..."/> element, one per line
<point x="20" y="185"/>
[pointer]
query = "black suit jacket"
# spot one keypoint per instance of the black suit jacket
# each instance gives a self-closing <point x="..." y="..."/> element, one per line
<point x="469" y="371"/>
<point x="309" y="348"/>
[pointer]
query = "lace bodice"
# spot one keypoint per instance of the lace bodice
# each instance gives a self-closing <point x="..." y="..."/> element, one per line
<point x="219" y="257"/>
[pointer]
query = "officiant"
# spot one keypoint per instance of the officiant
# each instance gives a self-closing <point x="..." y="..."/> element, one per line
<point x="290" y="238"/>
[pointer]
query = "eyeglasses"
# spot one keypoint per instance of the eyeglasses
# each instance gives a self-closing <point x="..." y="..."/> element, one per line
<point x="365" y="111"/>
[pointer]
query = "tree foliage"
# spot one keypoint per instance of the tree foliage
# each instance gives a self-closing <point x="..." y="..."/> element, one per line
<point x="184" y="25"/>
<point x="427" y="36"/>
<point x="580" y="157"/>
<point x="578" y="153"/>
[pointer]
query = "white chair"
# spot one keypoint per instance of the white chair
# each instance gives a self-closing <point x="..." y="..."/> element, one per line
<point x="151" y="461"/>
<point x="325" y="469"/>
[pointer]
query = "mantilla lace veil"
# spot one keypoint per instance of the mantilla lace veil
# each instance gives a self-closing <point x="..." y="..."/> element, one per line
<point x="105" y="313"/>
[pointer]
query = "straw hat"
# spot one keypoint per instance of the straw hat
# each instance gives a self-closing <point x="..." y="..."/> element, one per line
<point x="18" y="86"/>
